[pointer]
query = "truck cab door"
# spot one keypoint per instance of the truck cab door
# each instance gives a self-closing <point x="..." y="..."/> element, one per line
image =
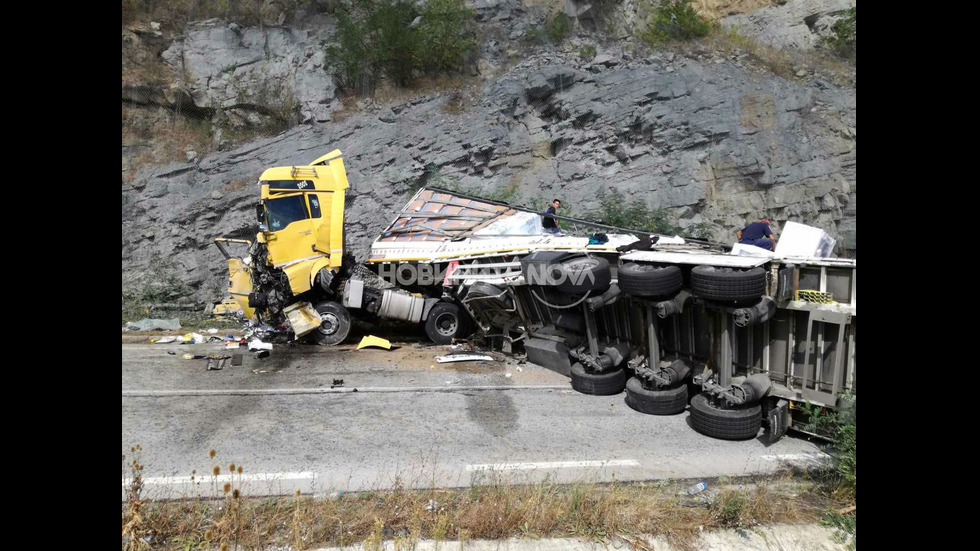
<point x="290" y="236"/>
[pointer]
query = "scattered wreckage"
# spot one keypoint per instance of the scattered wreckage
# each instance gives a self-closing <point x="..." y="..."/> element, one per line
<point x="744" y="338"/>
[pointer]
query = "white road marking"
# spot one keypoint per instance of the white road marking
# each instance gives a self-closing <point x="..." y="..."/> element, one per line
<point x="222" y="478"/>
<point x="553" y="465"/>
<point x="343" y="390"/>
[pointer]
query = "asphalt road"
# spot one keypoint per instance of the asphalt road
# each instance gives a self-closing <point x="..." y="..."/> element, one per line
<point x="411" y="422"/>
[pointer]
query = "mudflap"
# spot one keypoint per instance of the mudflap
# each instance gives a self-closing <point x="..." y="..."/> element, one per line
<point x="779" y="420"/>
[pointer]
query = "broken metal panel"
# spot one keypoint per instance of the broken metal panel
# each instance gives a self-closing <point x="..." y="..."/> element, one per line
<point x="445" y="217"/>
<point x="779" y="421"/>
<point x="302" y="317"/>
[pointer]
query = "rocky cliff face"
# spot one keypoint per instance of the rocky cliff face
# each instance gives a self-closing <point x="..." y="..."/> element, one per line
<point x="705" y="136"/>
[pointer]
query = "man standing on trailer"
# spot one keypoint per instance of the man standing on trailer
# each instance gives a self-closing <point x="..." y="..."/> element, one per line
<point x="548" y="222"/>
<point x="758" y="234"/>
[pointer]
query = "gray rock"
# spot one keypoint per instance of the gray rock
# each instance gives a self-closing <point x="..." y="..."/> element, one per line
<point x="605" y="59"/>
<point x="216" y="194"/>
<point x="797" y="23"/>
<point x="253" y="69"/>
<point x="387" y="115"/>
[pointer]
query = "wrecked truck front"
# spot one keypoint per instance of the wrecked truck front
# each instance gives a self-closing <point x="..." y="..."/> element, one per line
<point x="299" y="246"/>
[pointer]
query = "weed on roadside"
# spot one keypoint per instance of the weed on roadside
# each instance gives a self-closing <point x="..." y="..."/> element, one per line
<point x="494" y="506"/>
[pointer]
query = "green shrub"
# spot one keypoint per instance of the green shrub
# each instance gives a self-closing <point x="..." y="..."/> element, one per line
<point x="844" y="41"/>
<point x="558" y="27"/>
<point x="444" y="35"/>
<point x="615" y="210"/>
<point x="730" y="507"/>
<point x="375" y="39"/>
<point x="841" y="427"/>
<point x="675" y="20"/>
<point x="555" y="30"/>
<point x="587" y="52"/>
<point x="846" y="526"/>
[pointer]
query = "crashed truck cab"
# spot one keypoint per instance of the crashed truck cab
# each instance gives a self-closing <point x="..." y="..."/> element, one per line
<point x="296" y="274"/>
<point x="297" y="252"/>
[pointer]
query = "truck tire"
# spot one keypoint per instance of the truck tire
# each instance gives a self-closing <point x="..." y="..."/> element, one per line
<point x="446" y="322"/>
<point x="645" y="280"/>
<point x="598" y="384"/>
<point x="728" y="284"/>
<point x="656" y="402"/>
<point x="726" y="424"/>
<point x="335" y="324"/>
<point x="585" y="273"/>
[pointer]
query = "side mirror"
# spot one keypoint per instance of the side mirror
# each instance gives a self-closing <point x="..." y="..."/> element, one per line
<point x="260" y="213"/>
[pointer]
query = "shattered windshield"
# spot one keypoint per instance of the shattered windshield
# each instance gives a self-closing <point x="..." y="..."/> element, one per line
<point x="283" y="212"/>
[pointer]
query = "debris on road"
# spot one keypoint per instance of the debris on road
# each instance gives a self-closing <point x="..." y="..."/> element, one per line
<point x="192" y="338"/>
<point x="377" y="342"/>
<point x="153" y="324"/>
<point x="463" y="358"/>
<point x="212" y="331"/>
<point x="212" y="358"/>
<point x="337" y="382"/>
<point x="232" y="345"/>
<point x="262" y="354"/>
<point x="164" y="340"/>
<point x="256" y="344"/>
<point x="508" y="375"/>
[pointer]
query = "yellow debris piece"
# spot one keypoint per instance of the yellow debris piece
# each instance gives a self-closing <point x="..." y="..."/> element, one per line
<point x="371" y="340"/>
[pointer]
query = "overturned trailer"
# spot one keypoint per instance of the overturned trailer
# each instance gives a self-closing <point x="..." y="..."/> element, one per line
<point x="742" y="339"/>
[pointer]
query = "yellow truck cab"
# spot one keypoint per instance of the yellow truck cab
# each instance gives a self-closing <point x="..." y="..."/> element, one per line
<point x="301" y="218"/>
<point x="297" y="275"/>
<point x="298" y="250"/>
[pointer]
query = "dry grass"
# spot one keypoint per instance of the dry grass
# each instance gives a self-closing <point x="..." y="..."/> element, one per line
<point x="237" y="184"/>
<point x="779" y="62"/>
<point x="491" y="509"/>
<point x="716" y="9"/>
<point x="165" y="136"/>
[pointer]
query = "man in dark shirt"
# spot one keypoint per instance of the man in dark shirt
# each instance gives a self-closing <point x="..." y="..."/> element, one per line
<point x="548" y="222"/>
<point x="758" y="234"/>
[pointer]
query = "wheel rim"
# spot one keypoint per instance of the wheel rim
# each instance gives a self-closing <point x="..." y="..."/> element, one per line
<point x="329" y="323"/>
<point x="446" y="324"/>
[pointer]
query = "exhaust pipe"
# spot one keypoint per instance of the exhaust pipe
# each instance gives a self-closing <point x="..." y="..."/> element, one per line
<point x="606" y="299"/>
<point x="674" y="305"/>
<point x="755" y="314"/>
